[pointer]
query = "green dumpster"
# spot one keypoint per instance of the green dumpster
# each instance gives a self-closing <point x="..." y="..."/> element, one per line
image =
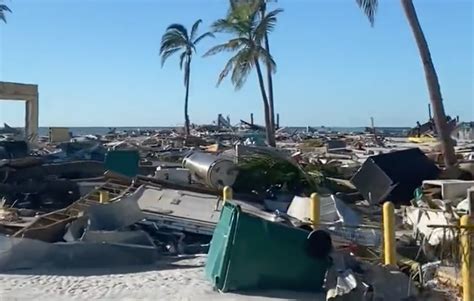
<point x="124" y="162"/>
<point x="248" y="252"/>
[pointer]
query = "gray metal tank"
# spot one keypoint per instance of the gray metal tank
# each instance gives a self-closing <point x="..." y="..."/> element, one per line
<point x="211" y="170"/>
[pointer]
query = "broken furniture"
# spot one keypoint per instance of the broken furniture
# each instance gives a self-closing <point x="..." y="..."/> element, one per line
<point x="449" y="189"/>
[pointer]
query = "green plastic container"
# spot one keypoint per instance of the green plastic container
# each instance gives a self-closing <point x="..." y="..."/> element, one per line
<point x="248" y="252"/>
<point x="124" y="162"/>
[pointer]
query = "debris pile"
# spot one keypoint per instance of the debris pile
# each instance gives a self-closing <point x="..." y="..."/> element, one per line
<point x="141" y="195"/>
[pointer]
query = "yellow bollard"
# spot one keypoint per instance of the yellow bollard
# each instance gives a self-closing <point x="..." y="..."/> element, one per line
<point x="227" y="194"/>
<point x="315" y="208"/>
<point x="466" y="260"/>
<point x="104" y="197"/>
<point x="389" y="234"/>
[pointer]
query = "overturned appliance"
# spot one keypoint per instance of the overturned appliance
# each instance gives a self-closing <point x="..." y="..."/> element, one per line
<point x="211" y="170"/>
<point x="394" y="176"/>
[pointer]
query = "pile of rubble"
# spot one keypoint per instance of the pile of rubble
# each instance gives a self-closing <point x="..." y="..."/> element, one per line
<point x="138" y="196"/>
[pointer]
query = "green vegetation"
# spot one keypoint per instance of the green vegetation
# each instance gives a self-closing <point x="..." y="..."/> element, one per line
<point x="175" y="39"/>
<point x="257" y="173"/>
<point x="249" y="30"/>
<point x="3" y="10"/>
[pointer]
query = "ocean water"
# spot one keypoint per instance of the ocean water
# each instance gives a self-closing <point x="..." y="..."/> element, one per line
<point x="77" y="131"/>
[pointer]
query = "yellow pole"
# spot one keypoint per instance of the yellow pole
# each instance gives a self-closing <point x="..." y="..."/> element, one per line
<point x="227" y="194"/>
<point x="466" y="260"/>
<point x="315" y="209"/>
<point x="104" y="197"/>
<point x="389" y="233"/>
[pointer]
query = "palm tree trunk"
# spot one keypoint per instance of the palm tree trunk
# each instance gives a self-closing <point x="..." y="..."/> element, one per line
<point x="270" y="87"/>
<point x="187" y="73"/>
<point x="263" y="8"/>
<point x="268" y="125"/>
<point x="433" y="85"/>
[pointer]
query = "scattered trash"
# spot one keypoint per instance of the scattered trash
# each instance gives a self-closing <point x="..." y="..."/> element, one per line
<point x="144" y="194"/>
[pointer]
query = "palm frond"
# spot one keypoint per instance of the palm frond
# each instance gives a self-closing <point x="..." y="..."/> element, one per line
<point x="369" y="7"/>
<point x="230" y="25"/>
<point x="3" y="9"/>
<point x="246" y="6"/>
<point x="245" y="11"/>
<point x="172" y="39"/>
<point x="242" y="67"/>
<point x="230" y="45"/>
<point x="228" y="66"/>
<point x="194" y="29"/>
<point x="181" y="29"/>
<point x="222" y="25"/>
<point x="266" y="58"/>
<point x="267" y="24"/>
<point x="166" y="54"/>
<point x="204" y="35"/>
<point x="248" y="23"/>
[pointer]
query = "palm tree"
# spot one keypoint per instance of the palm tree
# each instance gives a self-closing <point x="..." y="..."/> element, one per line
<point x="249" y="33"/>
<point x="369" y="7"/>
<point x="3" y="9"/>
<point x="176" y="39"/>
<point x="261" y="6"/>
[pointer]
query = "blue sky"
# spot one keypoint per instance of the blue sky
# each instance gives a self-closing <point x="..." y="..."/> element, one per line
<point x="96" y="63"/>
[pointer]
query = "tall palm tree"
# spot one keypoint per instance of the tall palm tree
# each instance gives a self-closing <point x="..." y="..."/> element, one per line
<point x="261" y="6"/>
<point x="3" y="9"/>
<point x="248" y="35"/>
<point x="176" y="38"/>
<point x="369" y="7"/>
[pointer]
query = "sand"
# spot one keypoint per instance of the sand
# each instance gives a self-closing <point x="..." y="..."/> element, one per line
<point x="181" y="279"/>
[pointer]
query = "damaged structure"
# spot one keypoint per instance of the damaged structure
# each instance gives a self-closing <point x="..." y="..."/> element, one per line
<point x="29" y="94"/>
<point x="142" y="195"/>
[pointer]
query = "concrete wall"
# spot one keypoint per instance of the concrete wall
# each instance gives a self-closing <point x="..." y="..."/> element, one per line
<point x="29" y="94"/>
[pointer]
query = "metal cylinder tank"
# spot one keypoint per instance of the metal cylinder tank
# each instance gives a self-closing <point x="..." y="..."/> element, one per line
<point x="211" y="170"/>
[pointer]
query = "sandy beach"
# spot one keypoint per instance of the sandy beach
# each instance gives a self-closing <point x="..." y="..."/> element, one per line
<point x="180" y="280"/>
